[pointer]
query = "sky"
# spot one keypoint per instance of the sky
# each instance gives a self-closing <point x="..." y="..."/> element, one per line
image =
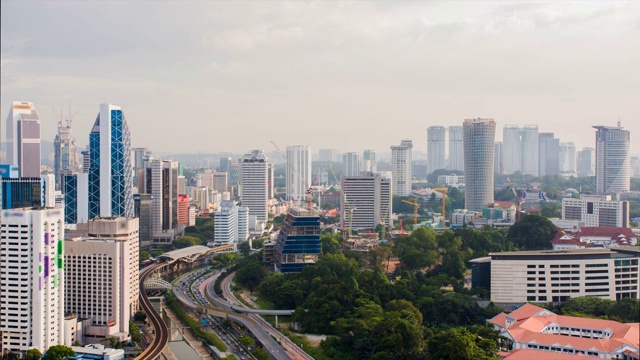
<point x="215" y="76"/>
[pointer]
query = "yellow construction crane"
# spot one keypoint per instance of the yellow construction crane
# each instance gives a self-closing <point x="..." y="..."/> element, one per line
<point x="415" y="212"/>
<point x="443" y="189"/>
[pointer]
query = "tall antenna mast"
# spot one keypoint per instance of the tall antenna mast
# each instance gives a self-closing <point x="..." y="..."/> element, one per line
<point x="619" y="121"/>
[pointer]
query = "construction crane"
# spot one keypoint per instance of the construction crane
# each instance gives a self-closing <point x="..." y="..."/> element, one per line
<point x="343" y="215"/>
<point x="443" y="189"/>
<point x="308" y="186"/>
<point x="514" y="192"/>
<point x="415" y="212"/>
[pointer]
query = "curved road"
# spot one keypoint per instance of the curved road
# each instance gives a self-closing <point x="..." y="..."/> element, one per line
<point x="239" y="306"/>
<point x="161" y="332"/>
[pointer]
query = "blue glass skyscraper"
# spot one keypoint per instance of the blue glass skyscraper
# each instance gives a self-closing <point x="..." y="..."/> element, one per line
<point x="110" y="168"/>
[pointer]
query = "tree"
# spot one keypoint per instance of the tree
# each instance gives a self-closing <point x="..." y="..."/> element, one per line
<point x="260" y="354"/>
<point x="144" y="255"/>
<point x="185" y="241"/>
<point x="140" y="315"/>
<point x="244" y="248"/>
<point x="32" y="354"/>
<point x="330" y="243"/>
<point x="136" y="335"/>
<point x="58" y="352"/>
<point x="455" y="343"/>
<point x="533" y="232"/>
<point x="247" y="341"/>
<point x="251" y="275"/>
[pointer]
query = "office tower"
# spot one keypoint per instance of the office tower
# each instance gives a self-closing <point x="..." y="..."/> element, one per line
<point x="613" y="159"/>
<point x="102" y="276"/>
<point x="587" y="162"/>
<point x="299" y="178"/>
<point x="235" y="176"/>
<point x="183" y="209"/>
<point x="219" y="181"/>
<point x="65" y="151"/>
<point x="369" y="161"/>
<point x="520" y="149"/>
<point x="110" y="168"/>
<point x="255" y="185"/>
<point x="351" y="161"/>
<point x="596" y="210"/>
<point x="327" y="155"/>
<point x="142" y="209"/>
<point x="75" y="187"/>
<point x="200" y="196"/>
<point x="298" y="244"/>
<point x="567" y="158"/>
<point x="479" y="143"/>
<point x="435" y="148"/>
<point x="22" y="192"/>
<point x="548" y="154"/>
<point x="140" y="156"/>
<point x="635" y="166"/>
<point x="366" y="201"/>
<point x="32" y="280"/>
<point x="205" y="179"/>
<point x="231" y="224"/>
<point x="182" y="185"/>
<point x="86" y="159"/>
<point x="23" y="139"/>
<point x="271" y="187"/>
<point x="420" y="170"/>
<point x="225" y="164"/>
<point x="456" y="148"/>
<point x="497" y="157"/>
<point x="49" y="183"/>
<point x="161" y="181"/>
<point x="401" y="168"/>
<point x="9" y="172"/>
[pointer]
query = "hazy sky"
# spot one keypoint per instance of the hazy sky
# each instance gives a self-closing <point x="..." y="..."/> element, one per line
<point x="231" y="76"/>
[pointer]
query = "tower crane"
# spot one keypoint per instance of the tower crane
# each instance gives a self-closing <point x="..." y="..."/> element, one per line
<point x="415" y="211"/>
<point x="514" y="192"/>
<point x="443" y="189"/>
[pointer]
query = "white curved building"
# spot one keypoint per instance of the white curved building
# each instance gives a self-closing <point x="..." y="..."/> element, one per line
<point x="479" y="142"/>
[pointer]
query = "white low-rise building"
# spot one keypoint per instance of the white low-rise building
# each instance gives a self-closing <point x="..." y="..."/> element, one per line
<point x="596" y="210"/>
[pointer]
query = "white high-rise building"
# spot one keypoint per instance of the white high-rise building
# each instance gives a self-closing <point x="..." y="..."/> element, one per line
<point x="351" y="161"/>
<point x="366" y="202"/>
<point x="520" y="151"/>
<point x="327" y="155"/>
<point x="497" y="157"/>
<point x="160" y="180"/>
<point x="32" y="279"/>
<point x="567" y="159"/>
<point x="49" y="190"/>
<point x="436" y="148"/>
<point x="401" y="157"/>
<point x="231" y="224"/>
<point x="23" y="139"/>
<point x="456" y="148"/>
<point x="298" y="178"/>
<point x="255" y="184"/>
<point x="479" y="144"/>
<point x="103" y="277"/>
<point x="613" y="160"/>
<point x="548" y="154"/>
<point x="369" y="161"/>
<point x="587" y="162"/>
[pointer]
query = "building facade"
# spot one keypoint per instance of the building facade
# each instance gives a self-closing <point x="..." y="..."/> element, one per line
<point x="32" y="279"/>
<point x="587" y="162"/>
<point x="103" y="277"/>
<point x="567" y="157"/>
<point x="520" y="149"/>
<point x="231" y="224"/>
<point x="75" y="187"/>
<point x="479" y="143"/>
<point x="23" y="139"/>
<point x="351" y="162"/>
<point x="366" y="202"/>
<point x="596" y="210"/>
<point x="401" y="157"/>
<point x="298" y="178"/>
<point x="65" y="151"/>
<point x="548" y="154"/>
<point x="613" y="160"/>
<point x="368" y="162"/>
<point x="255" y="192"/>
<point x="298" y="243"/>
<point x="436" y="158"/>
<point x="110" y="166"/>
<point x="456" y="148"/>
<point x="327" y="155"/>
<point x="497" y="157"/>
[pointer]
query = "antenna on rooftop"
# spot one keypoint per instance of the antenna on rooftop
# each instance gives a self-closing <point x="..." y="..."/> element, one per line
<point x="619" y="121"/>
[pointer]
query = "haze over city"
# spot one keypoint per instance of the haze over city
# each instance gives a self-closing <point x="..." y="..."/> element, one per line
<point x="223" y="76"/>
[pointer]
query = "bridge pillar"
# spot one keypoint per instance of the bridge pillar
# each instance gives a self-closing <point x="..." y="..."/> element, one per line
<point x="276" y="321"/>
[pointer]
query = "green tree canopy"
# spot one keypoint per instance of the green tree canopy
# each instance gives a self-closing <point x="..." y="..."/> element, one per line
<point x="185" y="241"/>
<point x="32" y="354"/>
<point x="58" y="352"/>
<point x="533" y="232"/>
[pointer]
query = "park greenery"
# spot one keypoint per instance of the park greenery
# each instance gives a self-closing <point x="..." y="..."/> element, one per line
<point x="58" y="352"/>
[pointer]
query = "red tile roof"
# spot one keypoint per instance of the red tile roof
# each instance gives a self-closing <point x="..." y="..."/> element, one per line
<point x="529" y="354"/>
<point x="607" y="231"/>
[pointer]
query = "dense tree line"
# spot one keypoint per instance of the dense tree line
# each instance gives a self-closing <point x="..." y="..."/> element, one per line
<point x="626" y="310"/>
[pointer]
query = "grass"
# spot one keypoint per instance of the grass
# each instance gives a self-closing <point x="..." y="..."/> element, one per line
<point x="230" y="357"/>
<point x="314" y="351"/>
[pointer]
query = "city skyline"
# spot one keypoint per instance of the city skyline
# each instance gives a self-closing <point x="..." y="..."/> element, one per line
<point x="264" y="80"/>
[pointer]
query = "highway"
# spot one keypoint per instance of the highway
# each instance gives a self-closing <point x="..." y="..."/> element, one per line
<point x="161" y="335"/>
<point x="239" y="306"/>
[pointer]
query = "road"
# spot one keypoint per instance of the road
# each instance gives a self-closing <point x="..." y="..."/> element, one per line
<point x="161" y="332"/>
<point x="291" y="347"/>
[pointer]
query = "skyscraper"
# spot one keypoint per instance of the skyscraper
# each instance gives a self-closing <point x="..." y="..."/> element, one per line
<point x="75" y="187"/>
<point x="255" y="184"/>
<point x="369" y="161"/>
<point x="456" y="148"/>
<point x="65" y="151"/>
<point x="366" y="201"/>
<point x="587" y="162"/>
<point x="225" y="164"/>
<point x="548" y="154"/>
<point x="31" y="279"/>
<point x="520" y="151"/>
<point x="110" y="167"/>
<point x="327" y="155"/>
<point x="567" y="158"/>
<point x="436" y="148"/>
<point x="299" y="178"/>
<point x="401" y="168"/>
<point x="613" y="160"/>
<point x="351" y="161"/>
<point x="161" y="182"/>
<point x="23" y="139"/>
<point x="298" y="243"/>
<point x="479" y="143"/>
<point x="497" y="157"/>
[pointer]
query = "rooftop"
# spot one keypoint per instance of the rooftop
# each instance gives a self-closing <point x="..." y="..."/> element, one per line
<point x="185" y="252"/>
